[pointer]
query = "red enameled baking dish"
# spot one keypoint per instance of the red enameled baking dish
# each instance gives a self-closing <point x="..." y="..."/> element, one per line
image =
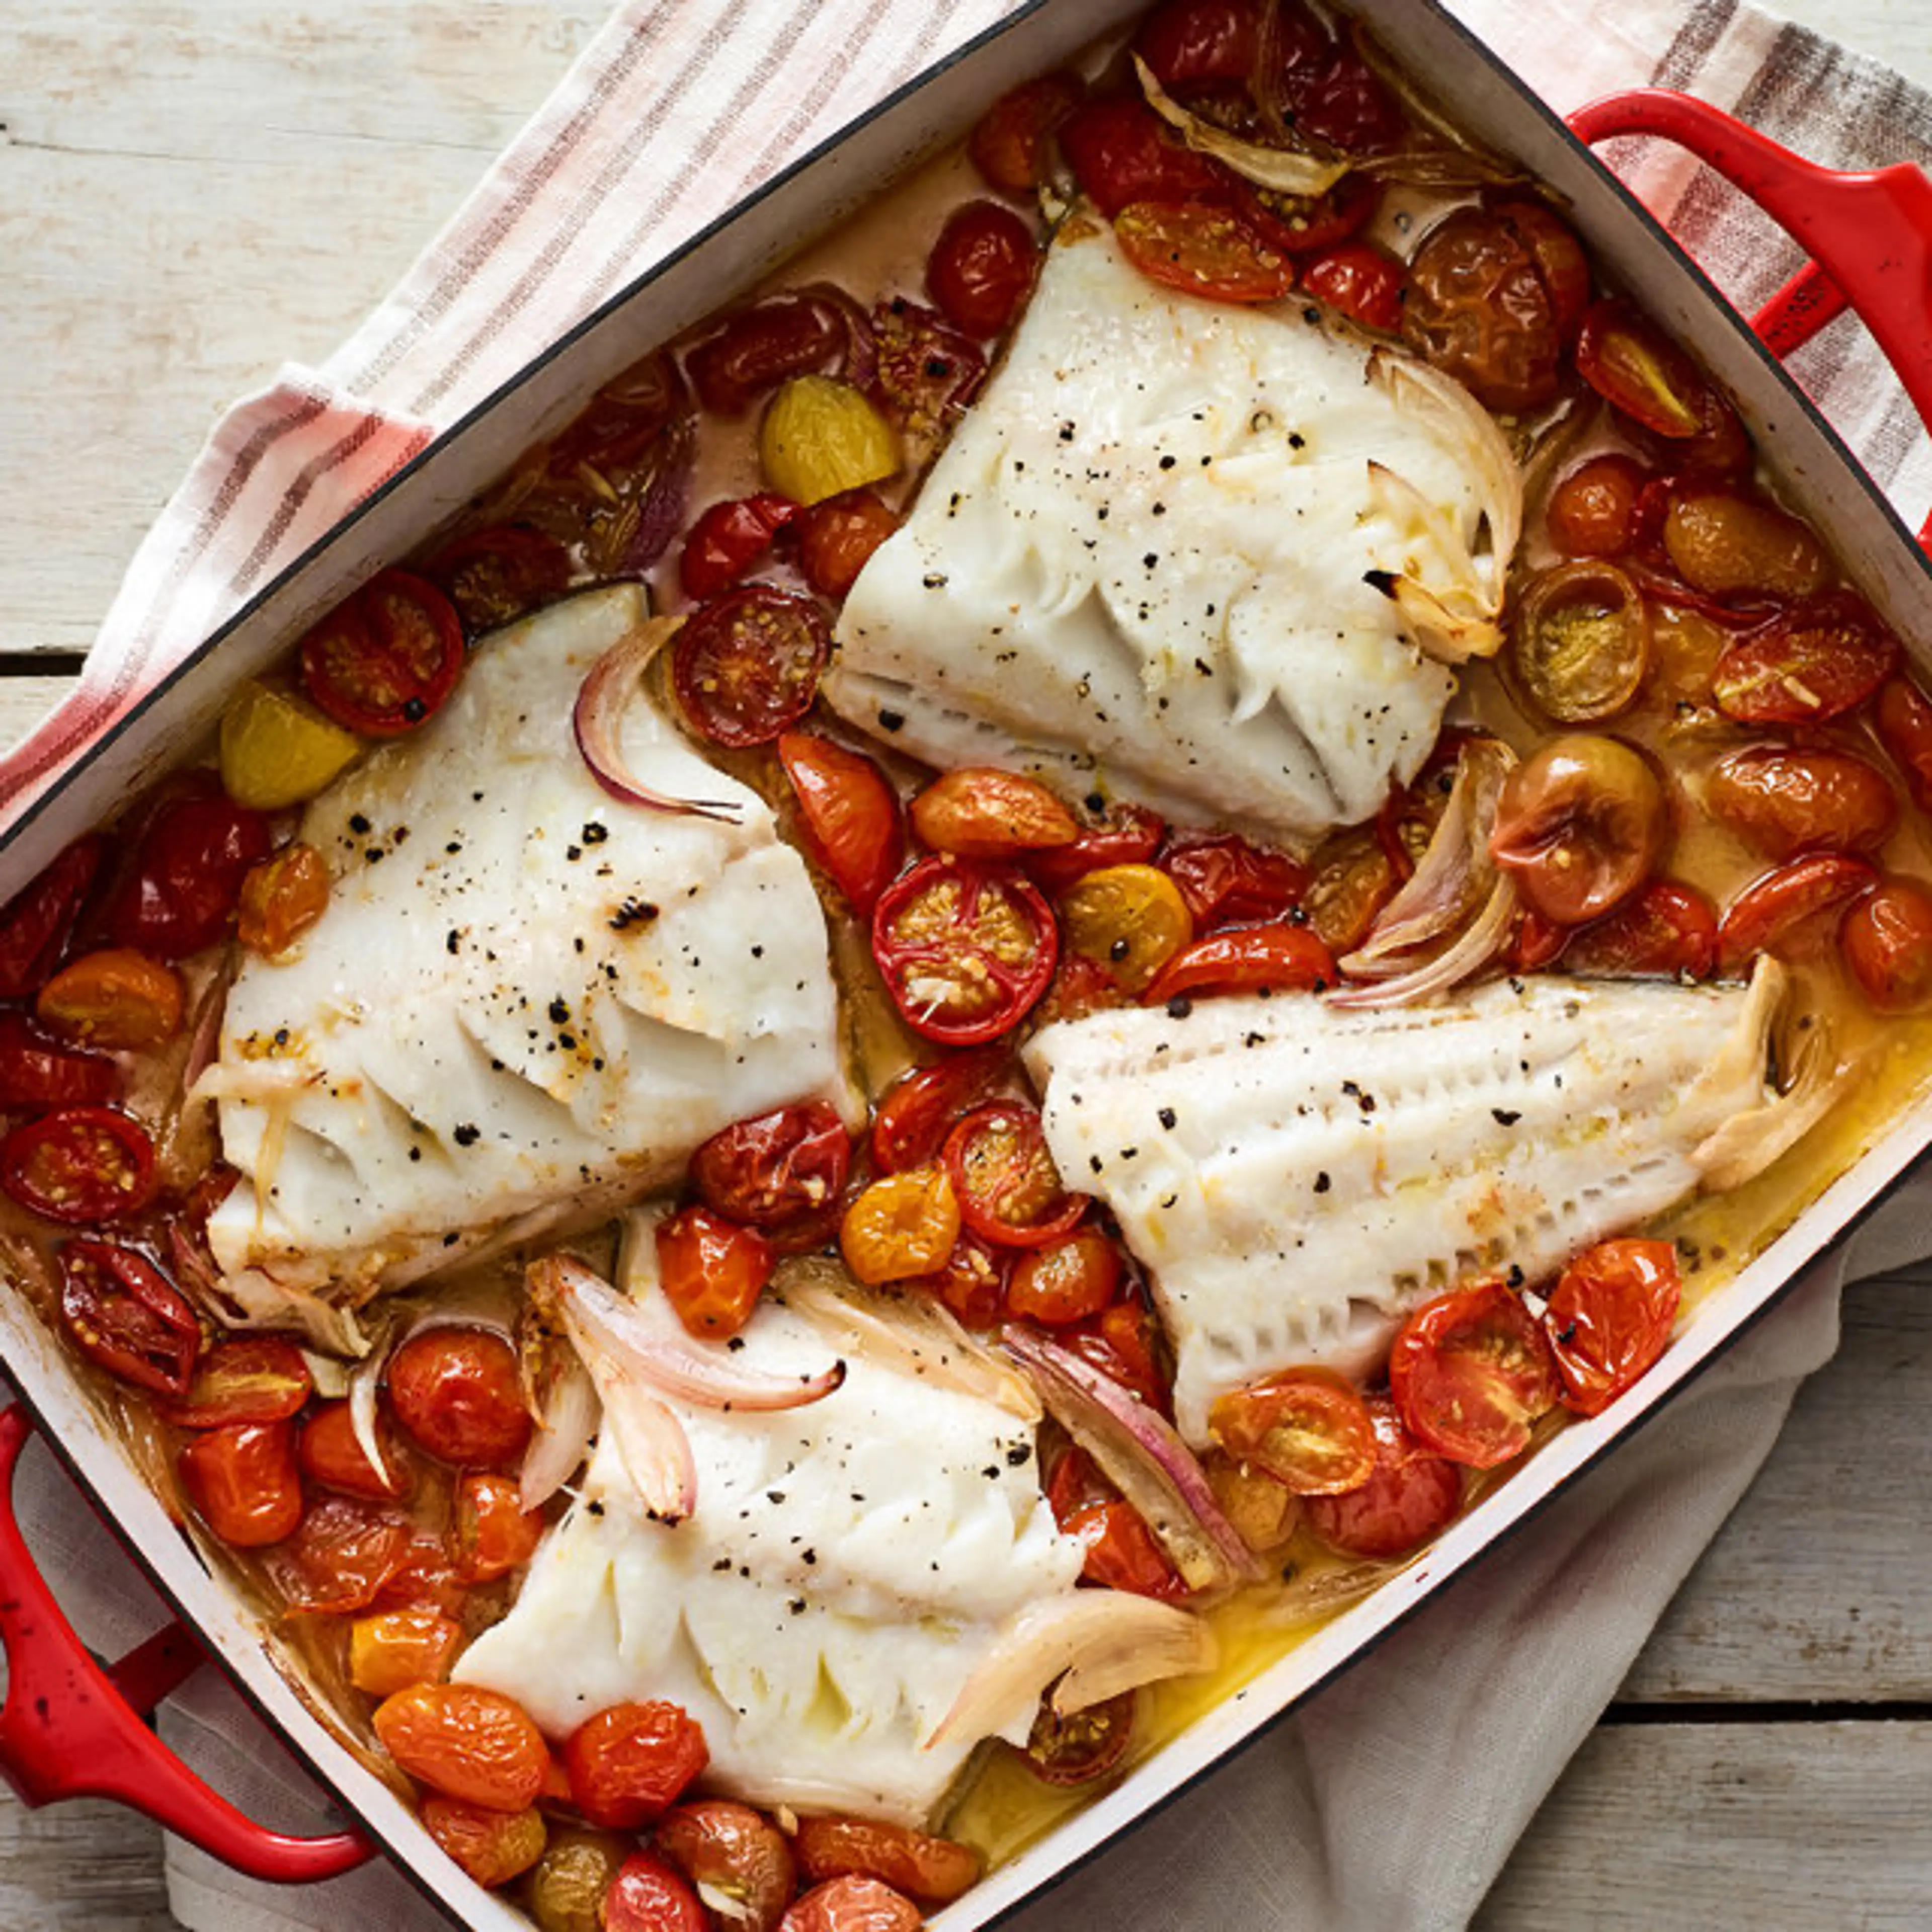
<point x="70" y="1727"/>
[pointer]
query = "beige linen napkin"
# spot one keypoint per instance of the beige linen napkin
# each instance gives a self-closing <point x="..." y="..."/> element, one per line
<point x="1392" y="1801"/>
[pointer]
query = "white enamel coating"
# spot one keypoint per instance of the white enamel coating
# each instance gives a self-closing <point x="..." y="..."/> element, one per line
<point x="1492" y="106"/>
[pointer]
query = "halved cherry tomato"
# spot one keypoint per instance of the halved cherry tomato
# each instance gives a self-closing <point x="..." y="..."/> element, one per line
<point x="393" y="1649"/>
<point x="1082" y="1746"/>
<point x="965" y="950"/>
<point x="734" y="1852"/>
<point x="116" y="998"/>
<point x="330" y="1454"/>
<point x="385" y="660"/>
<point x="919" y="1110"/>
<point x="241" y="1480"/>
<point x="340" y="1556"/>
<point x="648" y="1896"/>
<point x="852" y="818"/>
<point x="979" y="812"/>
<point x="761" y="346"/>
<point x="774" y="1169"/>
<point x="1351" y="877"/>
<point x="1667" y="930"/>
<point x="1728" y="542"/>
<point x="1365" y="283"/>
<point x="713" y="1269"/>
<point x="492" y="1847"/>
<point x="1008" y="1190"/>
<point x="936" y="1870"/>
<point x="927" y="372"/>
<point x="465" y="1742"/>
<point x="1300" y="224"/>
<point x="425" y="1578"/>
<point x="1131" y="919"/>
<point x="901" y="1227"/>
<point x="631" y="1762"/>
<point x="1121" y="154"/>
<point x="982" y="267"/>
<point x="491" y="1534"/>
<point x="1210" y="252"/>
<point x="1122" y="1553"/>
<point x="1609" y="1318"/>
<point x="1008" y="145"/>
<point x="972" y="1281"/>
<point x="1470" y="1372"/>
<point x="1902" y="717"/>
<point x="727" y="538"/>
<point x="1580" y="642"/>
<point x="456" y="1392"/>
<point x="81" y="1164"/>
<point x="1124" y="1343"/>
<point x="1886" y="941"/>
<point x="1412" y="1496"/>
<point x="746" y="667"/>
<point x="1597" y="510"/>
<point x="36" y="923"/>
<point x="1787" y="800"/>
<point x="1126" y="834"/>
<point x="1279" y="958"/>
<point x="281" y="898"/>
<point x="1308" y="1429"/>
<point x="1818" y="661"/>
<point x="1580" y="824"/>
<point x="186" y="879"/>
<point x="1264" y="1512"/>
<point x="494" y="576"/>
<point x="1067" y="1280"/>
<point x="836" y="538"/>
<point x="37" y="1071"/>
<point x="124" y="1314"/>
<point x="1635" y="367"/>
<point x="244" y="1378"/>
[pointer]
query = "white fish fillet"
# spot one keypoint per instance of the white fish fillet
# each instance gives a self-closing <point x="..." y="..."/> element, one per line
<point x="847" y="1567"/>
<point x="526" y="1003"/>
<point x="1140" y="561"/>
<point x="1297" y="1176"/>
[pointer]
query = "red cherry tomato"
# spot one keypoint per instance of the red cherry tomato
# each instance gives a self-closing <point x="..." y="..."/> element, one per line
<point x="1580" y="825"/>
<point x="1361" y="280"/>
<point x="1210" y="252"/>
<point x="1410" y="1496"/>
<point x="1010" y="144"/>
<point x="927" y="371"/>
<point x="936" y="1870"/>
<point x="385" y="660"/>
<point x="853" y="825"/>
<point x="491" y="1534"/>
<point x="777" y="1169"/>
<point x="1128" y="835"/>
<point x="1121" y="154"/>
<point x="1122" y="1553"/>
<point x="982" y="267"/>
<point x="848" y="1905"/>
<point x="836" y="538"/>
<point x="1280" y="957"/>
<point x="37" y="1071"/>
<point x="647" y="1895"/>
<point x="456" y="1394"/>
<point x="630" y="1763"/>
<point x="245" y="1378"/>
<point x="1538" y="942"/>
<point x="125" y="1315"/>
<point x="965" y="950"/>
<point x="1067" y="1280"/>
<point x="82" y="1165"/>
<point x="1308" y="1429"/>
<point x="1904" y="719"/>
<point x="1124" y="1343"/>
<point x="495" y="576"/>
<point x="1668" y="930"/>
<point x="1082" y="1746"/>
<point x="728" y="539"/>
<point x="973" y="1283"/>
<point x="36" y="923"/>
<point x="1820" y="659"/>
<point x="1343" y="102"/>
<point x="242" y="1482"/>
<point x="187" y="873"/>
<point x="1769" y="915"/>
<point x="713" y="1269"/>
<point x="759" y="347"/>
<point x="1008" y="1190"/>
<point x="919" y="1110"/>
<point x="1787" y="800"/>
<point x="730" y="1849"/>
<point x="1634" y="366"/>
<point x="330" y="1455"/>
<point x="467" y="1742"/>
<point x="1470" y="1373"/>
<point x="746" y="667"/>
<point x="1597" y="510"/>
<point x="1609" y="1318"/>
<point x="1227" y="881"/>
<point x="1886" y="941"/>
<point x="1302" y="224"/>
<point x="340" y="1556"/>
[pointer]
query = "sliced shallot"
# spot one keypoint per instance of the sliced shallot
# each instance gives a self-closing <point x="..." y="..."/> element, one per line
<point x="1285" y="170"/>
<point x="561" y="1442"/>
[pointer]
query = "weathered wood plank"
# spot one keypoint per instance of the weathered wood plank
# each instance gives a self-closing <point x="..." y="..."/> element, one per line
<point x="83" y="1866"/>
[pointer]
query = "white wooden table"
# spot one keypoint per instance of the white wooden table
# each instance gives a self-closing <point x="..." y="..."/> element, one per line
<point x="192" y="190"/>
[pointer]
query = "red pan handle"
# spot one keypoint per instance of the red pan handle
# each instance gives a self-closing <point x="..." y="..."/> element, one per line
<point x="1869" y="235"/>
<point x="70" y="1729"/>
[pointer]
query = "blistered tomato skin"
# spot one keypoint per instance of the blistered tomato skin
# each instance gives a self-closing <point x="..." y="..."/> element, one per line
<point x="1470" y="1373"/>
<point x="36" y="923"/>
<point x="982" y="267"/>
<point x="935" y="1870"/>
<point x="978" y="812"/>
<point x="630" y="1763"/>
<point x="778" y="1168"/>
<point x="1010" y="145"/>
<point x="456" y="1392"/>
<point x="1787" y="800"/>
<point x="242" y="1481"/>
<point x="735" y="1852"/>
<point x="1609" y="1318"/>
<point x="852" y="1905"/>
<point x="187" y="875"/>
<point x="853" y="823"/>
<point x="1580" y="825"/>
<point x="713" y="1271"/>
<point x="1887" y="942"/>
<point x="1410" y="1496"/>
<point x="330" y="1455"/>
<point x="1597" y="510"/>
<point x="493" y="1847"/>
<point x="467" y="1742"/>
<point x="1308" y="1429"/>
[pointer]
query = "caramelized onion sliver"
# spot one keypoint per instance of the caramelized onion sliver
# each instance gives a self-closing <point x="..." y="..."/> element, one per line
<point x="1284" y="170"/>
<point x="561" y="1442"/>
<point x="1472" y="950"/>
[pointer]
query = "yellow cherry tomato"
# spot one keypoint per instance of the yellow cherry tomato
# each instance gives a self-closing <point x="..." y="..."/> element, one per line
<point x="904" y="1225"/>
<point x="277" y="750"/>
<point x="1131" y="919"/>
<point x="820" y="437"/>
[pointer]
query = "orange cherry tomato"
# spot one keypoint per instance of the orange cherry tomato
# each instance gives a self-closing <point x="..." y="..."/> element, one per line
<point x="1308" y="1429"/>
<point x="1351" y="877"/>
<point x="1886" y="941"/>
<point x="1122" y="1553"/>
<point x="493" y="1847"/>
<point x="978" y="812"/>
<point x="1609" y="1318"/>
<point x="386" y="658"/>
<point x="330" y="1455"/>
<point x="713" y="1269"/>
<point x="1065" y="1281"/>
<point x="1010" y="143"/>
<point x="340" y="1556"/>
<point x="1667" y="930"/>
<point x="1787" y="800"/>
<point x="1598" y="509"/>
<point x="391" y="1650"/>
<point x="465" y="1742"/>
<point x="1265" y="1513"/>
<point x="777" y="1169"/>
<point x="124" y="1314"/>
<point x="982" y="267"/>
<point x="1579" y="642"/>
<point x="1580" y="824"/>
<point x="244" y="1378"/>
<point x="935" y="1870"/>
<point x="1081" y="1747"/>
<point x="1226" y="881"/>
<point x="1365" y="283"/>
<point x="1410" y="1496"/>
<point x="902" y="1226"/>
<point x="456" y="1394"/>
<point x="1008" y="1190"/>
<point x="1281" y="957"/>
<point x="281" y="898"/>
<point x="917" y="1112"/>
<point x="836" y="538"/>
<point x="1214" y="253"/>
<point x="852" y="824"/>
<point x="630" y="1763"/>
<point x="1130" y="920"/>
<point x="1470" y="1372"/>
<point x="1776" y="912"/>
<point x="242" y="1481"/>
<point x="114" y="998"/>
<point x="648" y="1896"/>
<point x="1820" y="659"/>
<point x="1903" y="718"/>
<point x="852" y="1904"/>
<point x="733" y="1852"/>
<point x="38" y="922"/>
<point x="81" y="1164"/>
<point x="491" y="1534"/>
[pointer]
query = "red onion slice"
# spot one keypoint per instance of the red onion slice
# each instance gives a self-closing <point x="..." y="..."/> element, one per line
<point x="598" y="717"/>
<point x="858" y="362"/>
<point x="1140" y="1453"/>
<point x="660" y="512"/>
